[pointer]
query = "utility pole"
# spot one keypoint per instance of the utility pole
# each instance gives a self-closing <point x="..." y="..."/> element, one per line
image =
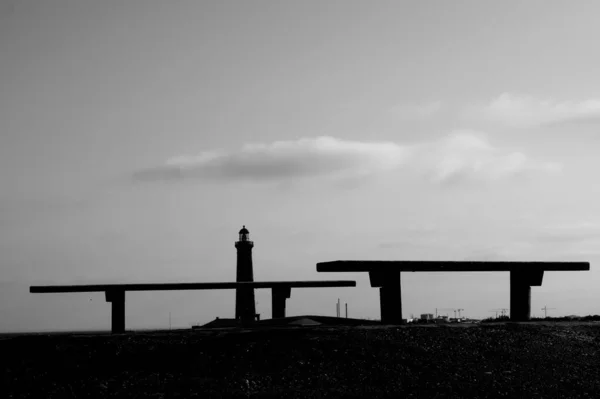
<point x="546" y="309"/>
<point x="169" y="321"/>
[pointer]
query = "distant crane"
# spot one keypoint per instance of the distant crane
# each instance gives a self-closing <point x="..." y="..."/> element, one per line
<point x="546" y="309"/>
<point x="502" y="311"/>
<point x="452" y="309"/>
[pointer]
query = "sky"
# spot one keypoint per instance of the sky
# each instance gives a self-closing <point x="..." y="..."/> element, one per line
<point x="138" y="136"/>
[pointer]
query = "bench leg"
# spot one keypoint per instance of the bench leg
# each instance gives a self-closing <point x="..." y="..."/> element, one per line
<point x="390" y="296"/>
<point x="520" y="292"/>
<point x="520" y="300"/>
<point x="278" y="299"/>
<point x="117" y="298"/>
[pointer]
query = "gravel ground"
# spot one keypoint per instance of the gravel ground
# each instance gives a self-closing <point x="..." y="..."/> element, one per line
<point x="557" y="360"/>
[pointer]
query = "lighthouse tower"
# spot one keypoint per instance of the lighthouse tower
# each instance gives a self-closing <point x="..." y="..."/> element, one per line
<point x="245" y="309"/>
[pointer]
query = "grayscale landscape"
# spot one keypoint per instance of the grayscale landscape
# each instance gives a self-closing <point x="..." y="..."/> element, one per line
<point x="319" y="198"/>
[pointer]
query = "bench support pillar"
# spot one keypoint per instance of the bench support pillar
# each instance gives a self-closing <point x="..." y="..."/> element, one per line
<point x="520" y="292"/>
<point x="390" y="295"/>
<point x="117" y="298"/>
<point x="278" y="299"/>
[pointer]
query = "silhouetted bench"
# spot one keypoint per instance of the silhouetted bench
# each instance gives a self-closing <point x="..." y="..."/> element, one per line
<point x="115" y="293"/>
<point x="386" y="275"/>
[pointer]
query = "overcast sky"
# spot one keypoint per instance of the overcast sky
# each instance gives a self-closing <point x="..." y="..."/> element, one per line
<point x="138" y="136"/>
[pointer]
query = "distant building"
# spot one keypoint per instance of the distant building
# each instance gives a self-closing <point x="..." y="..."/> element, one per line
<point x="427" y="316"/>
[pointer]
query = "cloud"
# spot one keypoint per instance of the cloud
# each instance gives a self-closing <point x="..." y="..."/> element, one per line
<point x="307" y="157"/>
<point x="456" y="157"/>
<point x="554" y="242"/>
<point x="578" y="233"/>
<point x="467" y="155"/>
<point x="487" y="255"/>
<point x="521" y="111"/>
<point x="559" y="242"/>
<point x="416" y="112"/>
<point x="415" y="236"/>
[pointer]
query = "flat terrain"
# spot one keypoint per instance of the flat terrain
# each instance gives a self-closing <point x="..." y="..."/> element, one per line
<point x="529" y="360"/>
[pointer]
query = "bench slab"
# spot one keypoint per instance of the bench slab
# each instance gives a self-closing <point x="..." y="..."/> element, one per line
<point x="445" y="266"/>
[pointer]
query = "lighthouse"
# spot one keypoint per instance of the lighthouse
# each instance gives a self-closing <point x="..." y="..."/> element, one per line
<point x="245" y="309"/>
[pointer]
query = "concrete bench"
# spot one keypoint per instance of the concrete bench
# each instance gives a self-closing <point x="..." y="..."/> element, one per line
<point x="115" y="293"/>
<point x="386" y="276"/>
